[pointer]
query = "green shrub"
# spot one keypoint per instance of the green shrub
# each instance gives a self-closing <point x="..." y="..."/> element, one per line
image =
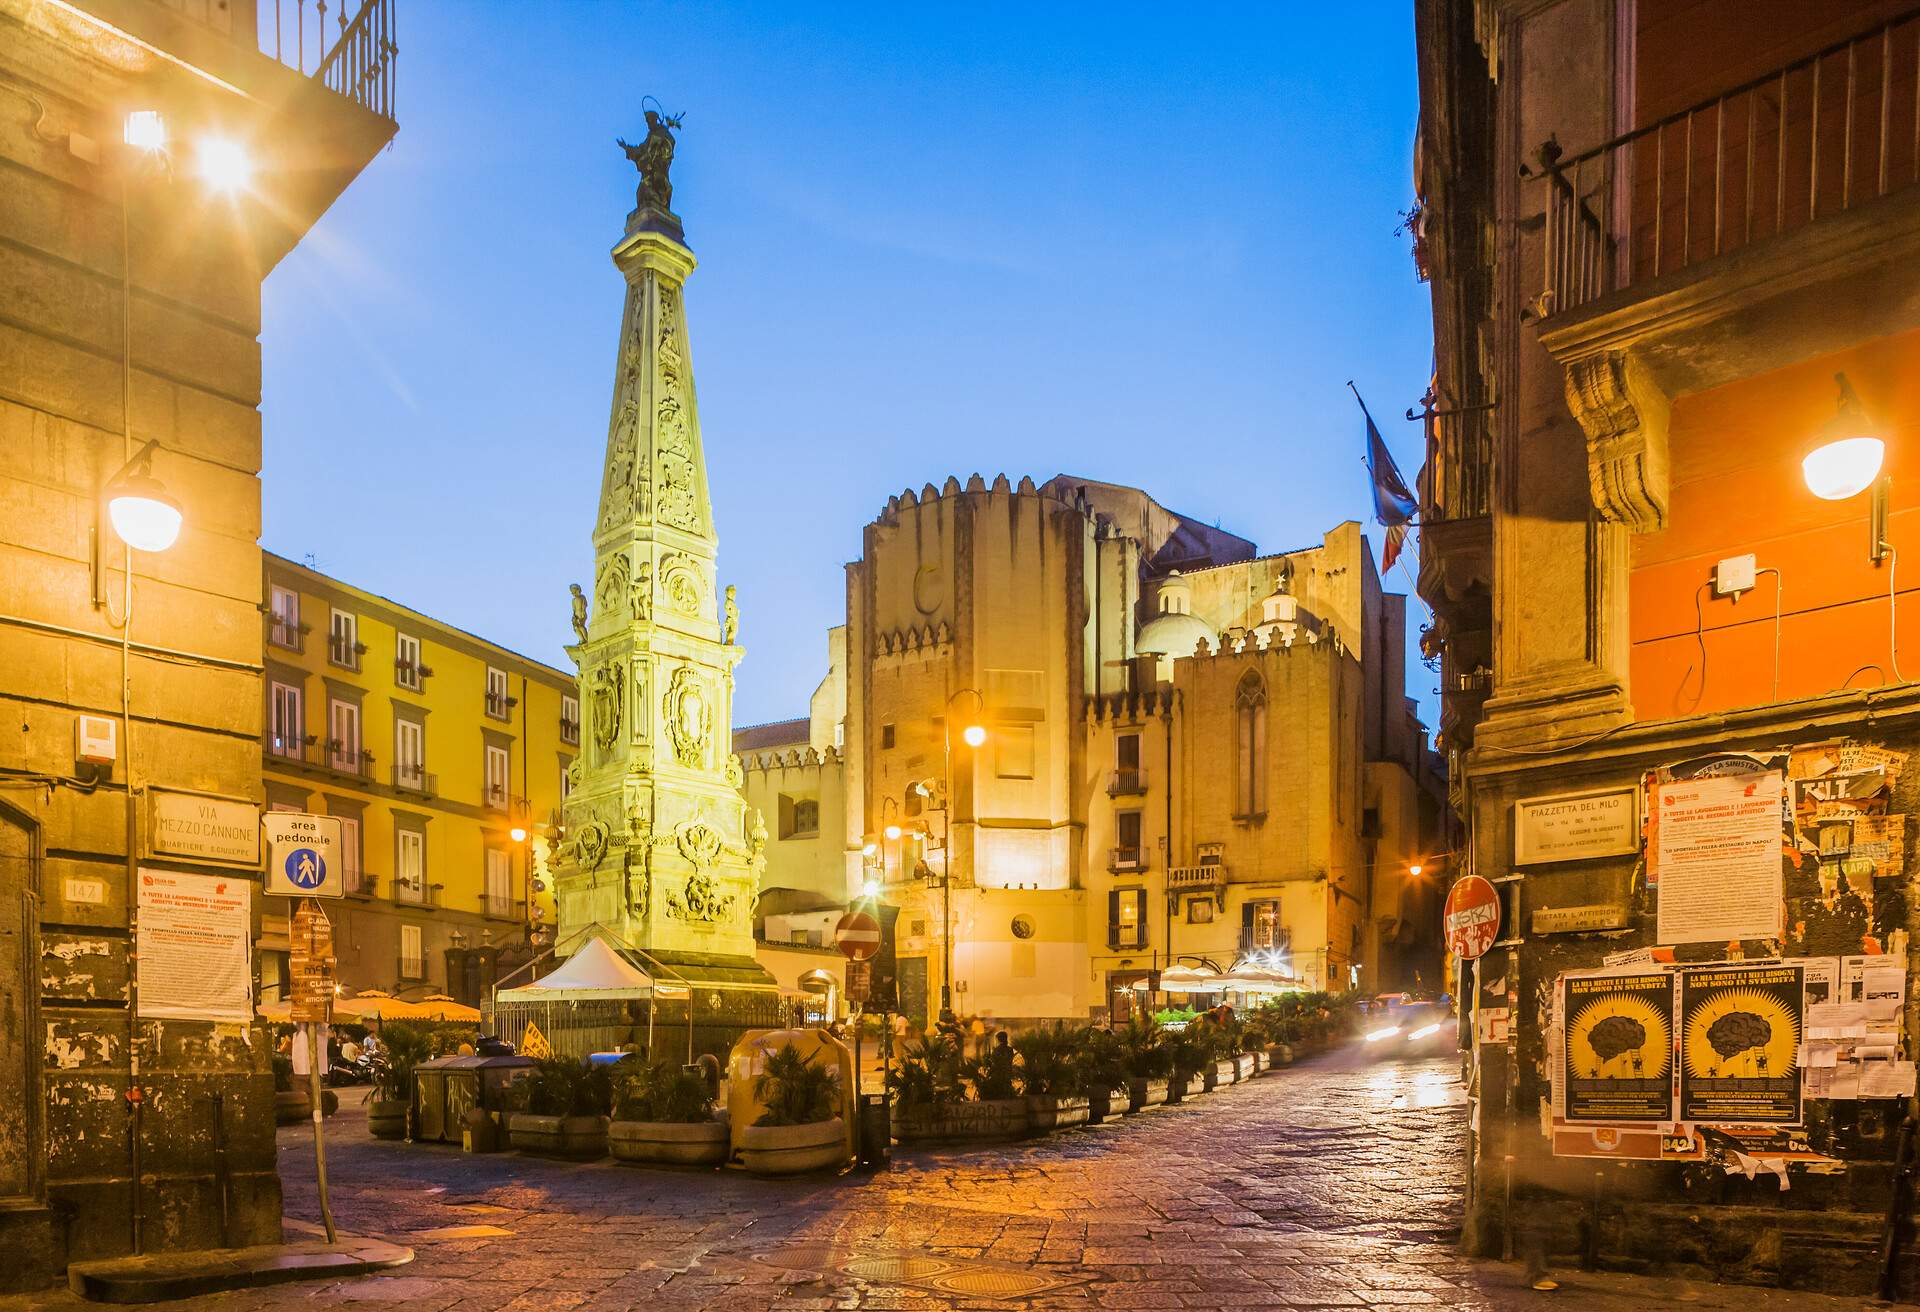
<point x="282" y="1073"/>
<point x="561" y="1086"/>
<point x="1175" y="1016"/>
<point x="1143" y="1050"/>
<point x="795" y="1091"/>
<point x="401" y="1047"/>
<point x="929" y="1074"/>
<point x="991" y="1074"/>
<point x="1100" y="1060"/>
<point x="1049" y="1059"/>
<point x="660" y="1092"/>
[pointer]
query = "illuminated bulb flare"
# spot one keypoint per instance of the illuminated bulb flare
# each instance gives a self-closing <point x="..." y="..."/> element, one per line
<point x="145" y="517"/>
<point x="224" y="165"/>
<point x="1386" y="1033"/>
<point x="146" y="130"/>
<point x="974" y="734"/>
<point x="1844" y="468"/>
<point x="1422" y="1032"/>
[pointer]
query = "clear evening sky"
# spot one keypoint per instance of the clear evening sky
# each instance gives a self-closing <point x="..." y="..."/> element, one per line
<point x="1145" y="244"/>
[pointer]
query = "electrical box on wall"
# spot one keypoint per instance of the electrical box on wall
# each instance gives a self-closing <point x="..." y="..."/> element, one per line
<point x="1733" y="576"/>
<point x="97" y="740"/>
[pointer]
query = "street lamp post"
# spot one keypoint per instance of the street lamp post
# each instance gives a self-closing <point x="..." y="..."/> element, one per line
<point x="973" y="735"/>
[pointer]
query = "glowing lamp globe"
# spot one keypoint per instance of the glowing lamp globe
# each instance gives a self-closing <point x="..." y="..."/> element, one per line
<point x="146" y="130"/>
<point x="872" y="888"/>
<point x="893" y="833"/>
<point x="1844" y="467"/>
<point x="974" y="735"/>
<point x="144" y="516"/>
<point x="517" y="834"/>
<point x="224" y="165"/>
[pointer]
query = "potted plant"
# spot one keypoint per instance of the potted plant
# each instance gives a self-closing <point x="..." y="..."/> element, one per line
<point x="944" y="1095"/>
<point x="1147" y="1063"/>
<point x="562" y="1110"/>
<point x="1103" y="1074"/>
<point x="1050" y="1078"/>
<point x="663" y="1113"/>
<point x="1187" y="1060"/>
<point x="398" y="1049"/>
<point x="1253" y="1045"/>
<point x="801" y="1129"/>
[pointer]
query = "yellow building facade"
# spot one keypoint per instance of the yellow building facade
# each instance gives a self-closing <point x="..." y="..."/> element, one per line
<point x="434" y="748"/>
<point x="1192" y="753"/>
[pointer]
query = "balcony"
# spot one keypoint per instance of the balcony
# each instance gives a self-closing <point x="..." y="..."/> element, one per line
<point x="1127" y="858"/>
<point x="1127" y="783"/>
<point x="570" y="732"/>
<point x="291" y="749"/>
<point x="494" y="797"/>
<point x="1769" y="224"/>
<point x="414" y="779"/>
<point x="500" y="907"/>
<point x="345" y="651"/>
<point x="500" y="706"/>
<point x="282" y="632"/>
<point x="1210" y="876"/>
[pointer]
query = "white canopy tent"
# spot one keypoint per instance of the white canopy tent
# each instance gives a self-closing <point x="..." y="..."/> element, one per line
<point x="596" y="971"/>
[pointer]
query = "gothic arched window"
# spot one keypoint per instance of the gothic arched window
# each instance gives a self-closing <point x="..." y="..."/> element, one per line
<point x="1250" y="746"/>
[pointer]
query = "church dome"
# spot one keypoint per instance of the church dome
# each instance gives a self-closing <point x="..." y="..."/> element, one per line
<point x="1174" y="633"/>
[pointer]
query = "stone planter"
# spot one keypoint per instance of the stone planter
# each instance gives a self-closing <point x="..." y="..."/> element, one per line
<point x="793" y="1149"/>
<point x="1262" y="1059"/>
<point x="668" y="1143"/>
<point x="1195" y="1084"/>
<point x="579" y="1137"/>
<point x="387" y="1118"/>
<point x="1145" y="1093"/>
<point x="1279" y="1054"/>
<point x="1224" y="1071"/>
<point x="291" y="1106"/>
<point x="1046" y="1112"/>
<point x="964" y="1120"/>
<point x="1245" y="1067"/>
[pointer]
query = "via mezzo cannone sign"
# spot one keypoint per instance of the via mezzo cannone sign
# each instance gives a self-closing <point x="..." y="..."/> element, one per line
<point x="1716" y="1044"/>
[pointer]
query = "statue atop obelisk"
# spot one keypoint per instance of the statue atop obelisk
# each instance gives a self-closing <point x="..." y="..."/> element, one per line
<point x="659" y="849"/>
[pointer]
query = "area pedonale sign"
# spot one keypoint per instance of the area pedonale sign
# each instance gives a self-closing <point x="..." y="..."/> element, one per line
<point x="1472" y="917"/>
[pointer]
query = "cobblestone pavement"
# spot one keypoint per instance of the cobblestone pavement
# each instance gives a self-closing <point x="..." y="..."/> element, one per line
<point x="1330" y="1185"/>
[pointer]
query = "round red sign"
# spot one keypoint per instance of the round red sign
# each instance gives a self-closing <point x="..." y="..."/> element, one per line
<point x="1472" y="917"/>
<point x="857" y="935"/>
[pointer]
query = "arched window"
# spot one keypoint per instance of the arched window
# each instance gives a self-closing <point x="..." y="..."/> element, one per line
<point x="1250" y="744"/>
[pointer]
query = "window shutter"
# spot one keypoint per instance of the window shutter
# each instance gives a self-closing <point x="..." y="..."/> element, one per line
<point x="1246" y="927"/>
<point x="1113" y="917"/>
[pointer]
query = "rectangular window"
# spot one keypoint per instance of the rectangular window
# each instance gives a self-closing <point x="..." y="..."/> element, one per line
<point x="497" y="699"/>
<point x="410" y="866"/>
<point x="886" y="737"/>
<point x="1129" y="780"/>
<point x="413" y="956"/>
<point x="1013" y="751"/>
<point x="283" y="610"/>
<point x="343" y="639"/>
<point x="1128" y="853"/>
<point x="406" y="661"/>
<point x="286" y="731"/>
<point x="1260" y="927"/>
<point x="566" y="780"/>
<point x="499" y="895"/>
<point x="1127" y="918"/>
<point x="1126" y="751"/>
<point x="350" y="852"/>
<point x="496" y="778"/>
<point x="410" y="755"/>
<point x="343" y="736"/>
<point x="570" y="719"/>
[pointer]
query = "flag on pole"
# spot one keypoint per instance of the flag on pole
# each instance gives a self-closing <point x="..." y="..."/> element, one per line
<point x="1393" y="504"/>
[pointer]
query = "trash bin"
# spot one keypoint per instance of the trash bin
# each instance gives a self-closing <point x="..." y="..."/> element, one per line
<point x="430" y="1098"/>
<point x="449" y="1087"/>
<point x="876" y="1129"/>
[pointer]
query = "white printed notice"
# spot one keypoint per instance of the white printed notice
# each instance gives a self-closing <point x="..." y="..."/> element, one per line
<point x="1717" y="850"/>
<point x="195" y="933"/>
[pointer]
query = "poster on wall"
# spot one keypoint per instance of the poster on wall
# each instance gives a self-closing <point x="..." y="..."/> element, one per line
<point x="195" y="944"/>
<point x="1617" y="1057"/>
<point x="1740" y="1031"/>
<point x="1717" y="847"/>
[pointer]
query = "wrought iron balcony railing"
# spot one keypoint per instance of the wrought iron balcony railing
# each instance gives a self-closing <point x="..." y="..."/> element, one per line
<point x="1126" y="783"/>
<point x="414" y="778"/>
<point x="1127" y="858"/>
<point x="1826" y="133"/>
<point x="355" y="60"/>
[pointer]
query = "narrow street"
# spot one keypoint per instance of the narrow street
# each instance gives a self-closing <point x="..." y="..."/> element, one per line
<point x="1331" y="1185"/>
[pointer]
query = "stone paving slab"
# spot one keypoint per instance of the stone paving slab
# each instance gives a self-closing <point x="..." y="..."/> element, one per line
<point x="1330" y="1185"/>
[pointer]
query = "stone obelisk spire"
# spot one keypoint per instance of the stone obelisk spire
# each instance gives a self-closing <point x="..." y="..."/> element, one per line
<point x="659" y="849"/>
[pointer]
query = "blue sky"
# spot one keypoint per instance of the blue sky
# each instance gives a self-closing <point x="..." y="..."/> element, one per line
<point x="1143" y="244"/>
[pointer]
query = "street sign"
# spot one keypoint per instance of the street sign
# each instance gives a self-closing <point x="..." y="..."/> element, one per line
<point x="1472" y="919"/>
<point x="310" y="964"/>
<point x="857" y="935"/>
<point x="859" y="981"/>
<point x="303" y="855"/>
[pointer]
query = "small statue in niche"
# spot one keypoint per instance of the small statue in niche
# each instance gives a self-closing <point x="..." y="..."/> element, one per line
<point x="730" y="625"/>
<point x="579" y="611"/>
<point x="654" y="158"/>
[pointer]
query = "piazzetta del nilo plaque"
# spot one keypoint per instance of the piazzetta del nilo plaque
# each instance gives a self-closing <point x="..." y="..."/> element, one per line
<point x="1575" y="826"/>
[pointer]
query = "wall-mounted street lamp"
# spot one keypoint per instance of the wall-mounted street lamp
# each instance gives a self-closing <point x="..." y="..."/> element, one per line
<point x="1845" y="461"/>
<point x="142" y="514"/>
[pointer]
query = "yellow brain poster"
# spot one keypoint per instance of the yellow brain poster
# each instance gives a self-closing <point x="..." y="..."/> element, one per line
<point x="1617" y="1061"/>
<point x="1740" y="1033"/>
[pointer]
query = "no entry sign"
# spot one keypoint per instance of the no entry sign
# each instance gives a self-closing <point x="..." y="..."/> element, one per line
<point x="1472" y="918"/>
<point x="857" y="935"/>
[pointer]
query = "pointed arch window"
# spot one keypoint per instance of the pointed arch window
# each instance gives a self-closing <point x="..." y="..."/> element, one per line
<point x="1250" y="746"/>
